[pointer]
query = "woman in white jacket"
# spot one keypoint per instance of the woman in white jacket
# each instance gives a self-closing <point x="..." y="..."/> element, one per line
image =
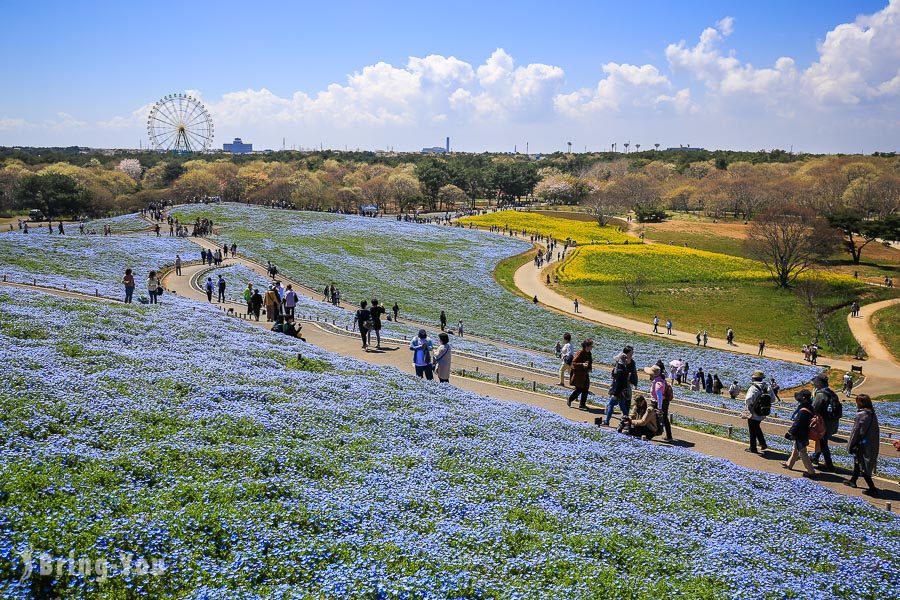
<point x="442" y="358"/>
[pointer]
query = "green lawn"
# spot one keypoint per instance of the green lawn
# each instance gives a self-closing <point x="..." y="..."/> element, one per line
<point x="506" y="269"/>
<point x="755" y="311"/>
<point x="887" y="324"/>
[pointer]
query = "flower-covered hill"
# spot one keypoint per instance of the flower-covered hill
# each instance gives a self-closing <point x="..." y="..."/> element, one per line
<point x="428" y="268"/>
<point x="175" y="432"/>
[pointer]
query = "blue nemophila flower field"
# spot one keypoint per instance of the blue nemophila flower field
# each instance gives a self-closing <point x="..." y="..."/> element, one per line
<point x="86" y="263"/>
<point x="427" y="268"/>
<point x="174" y="431"/>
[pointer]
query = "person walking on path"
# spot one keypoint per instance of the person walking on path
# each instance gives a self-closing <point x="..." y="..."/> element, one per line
<point x="863" y="444"/>
<point x="624" y="378"/>
<point x="459" y="328"/>
<point x="762" y="346"/>
<point x="178" y="264"/>
<point x="363" y="319"/>
<point x="421" y="348"/>
<point x="848" y="384"/>
<point x="208" y="288"/>
<point x="705" y="338"/>
<point x="708" y="384"/>
<point x="655" y="324"/>
<point x="582" y="363"/>
<point x="827" y="405"/>
<point x="729" y="336"/>
<point x="221" y="284"/>
<point x="273" y="305"/>
<point x="662" y="393"/>
<point x="154" y="287"/>
<point x="256" y="303"/>
<point x="128" y="282"/>
<point x="698" y="337"/>
<point x="799" y="434"/>
<point x="759" y="406"/>
<point x="668" y="326"/>
<point x="290" y="301"/>
<point x="442" y="358"/>
<point x="576" y="305"/>
<point x="566" y="355"/>
<point x="396" y="310"/>
<point x="443" y="320"/>
<point x="248" y="296"/>
<point x="377" y="310"/>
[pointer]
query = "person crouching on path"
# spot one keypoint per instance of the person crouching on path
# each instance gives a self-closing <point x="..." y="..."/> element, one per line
<point x="759" y="405"/>
<point x="642" y="422"/>
<point x="272" y="304"/>
<point x="799" y="433"/>
<point x="443" y="357"/>
<point x="421" y="348"/>
<point x="582" y="363"/>
<point x="863" y="444"/>
<point x="566" y="355"/>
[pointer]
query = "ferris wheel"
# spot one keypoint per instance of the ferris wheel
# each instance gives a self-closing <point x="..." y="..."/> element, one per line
<point x="180" y="123"/>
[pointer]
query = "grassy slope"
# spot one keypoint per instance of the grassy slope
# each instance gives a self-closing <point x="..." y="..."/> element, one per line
<point x="506" y="269"/>
<point x="887" y="324"/>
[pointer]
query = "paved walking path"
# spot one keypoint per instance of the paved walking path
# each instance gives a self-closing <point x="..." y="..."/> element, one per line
<point x="397" y="355"/>
<point x="881" y="376"/>
<point x="861" y="327"/>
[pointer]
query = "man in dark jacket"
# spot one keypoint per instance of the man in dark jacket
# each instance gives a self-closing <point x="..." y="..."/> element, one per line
<point x="624" y="379"/>
<point x="822" y="404"/>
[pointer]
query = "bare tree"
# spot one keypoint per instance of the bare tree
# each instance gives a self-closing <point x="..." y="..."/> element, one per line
<point x="811" y="291"/>
<point x="788" y="240"/>
<point x="634" y="286"/>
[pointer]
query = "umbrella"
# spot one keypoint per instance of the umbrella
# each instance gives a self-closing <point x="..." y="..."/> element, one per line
<point x="676" y="363"/>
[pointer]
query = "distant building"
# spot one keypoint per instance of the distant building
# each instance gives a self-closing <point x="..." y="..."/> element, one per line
<point x="434" y="150"/>
<point x="685" y="149"/>
<point x="238" y="147"/>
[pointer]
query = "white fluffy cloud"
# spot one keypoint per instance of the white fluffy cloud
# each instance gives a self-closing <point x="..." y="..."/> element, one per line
<point x="624" y="85"/>
<point x="859" y="61"/>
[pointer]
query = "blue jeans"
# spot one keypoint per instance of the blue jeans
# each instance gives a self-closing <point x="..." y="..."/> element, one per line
<point x="823" y="451"/>
<point x="152" y="294"/>
<point x="427" y="371"/>
<point x="129" y="291"/>
<point x="624" y="402"/>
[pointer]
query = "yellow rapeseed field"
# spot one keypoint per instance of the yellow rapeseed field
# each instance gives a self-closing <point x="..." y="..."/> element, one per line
<point x="583" y="232"/>
<point x="659" y="263"/>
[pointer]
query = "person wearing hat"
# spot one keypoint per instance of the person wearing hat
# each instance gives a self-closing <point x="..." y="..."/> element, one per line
<point x="799" y="433"/>
<point x="421" y="348"/>
<point x="827" y="405"/>
<point x="756" y="394"/>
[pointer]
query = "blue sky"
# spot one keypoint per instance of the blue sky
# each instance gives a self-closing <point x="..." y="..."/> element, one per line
<point x="82" y="73"/>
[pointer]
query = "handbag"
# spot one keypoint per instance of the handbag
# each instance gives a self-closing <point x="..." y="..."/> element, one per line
<point x="159" y="291"/>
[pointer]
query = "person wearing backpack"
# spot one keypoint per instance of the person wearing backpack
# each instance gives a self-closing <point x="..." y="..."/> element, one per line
<point x="661" y="393"/>
<point x="208" y="286"/>
<point x="421" y="348"/>
<point x="827" y="405"/>
<point x="863" y="444"/>
<point x="566" y="354"/>
<point x="759" y="406"/>
<point x="799" y="433"/>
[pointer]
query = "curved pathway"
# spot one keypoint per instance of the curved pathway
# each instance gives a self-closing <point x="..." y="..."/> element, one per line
<point x="881" y="376"/>
<point x="861" y="327"/>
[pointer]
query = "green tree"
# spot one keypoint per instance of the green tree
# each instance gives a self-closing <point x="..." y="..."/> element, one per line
<point x="433" y="174"/>
<point x="54" y="194"/>
<point x="858" y="233"/>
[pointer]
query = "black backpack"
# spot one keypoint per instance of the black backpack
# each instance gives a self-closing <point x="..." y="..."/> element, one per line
<point x="762" y="404"/>
<point x="834" y="409"/>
